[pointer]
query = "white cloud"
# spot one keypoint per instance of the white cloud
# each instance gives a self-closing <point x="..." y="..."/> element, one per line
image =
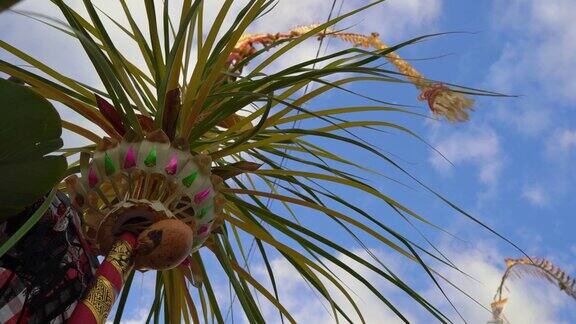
<point x="479" y="147"/>
<point x="402" y="17"/>
<point x="529" y="301"/>
<point x="565" y="140"/>
<point x="393" y="19"/>
<point x="542" y="49"/>
<point x="308" y="307"/>
<point x="536" y="62"/>
<point x="560" y="144"/>
<point x="535" y="195"/>
<point x="139" y="300"/>
<point x="484" y="263"/>
<point x="524" y="115"/>
<point x="138" y="316"/>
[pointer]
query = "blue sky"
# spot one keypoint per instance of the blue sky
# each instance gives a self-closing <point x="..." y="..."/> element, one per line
<point x="512" y="163"/>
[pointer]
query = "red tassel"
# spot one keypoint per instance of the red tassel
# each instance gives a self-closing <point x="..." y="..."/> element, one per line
<point x="111" y="115"/>
<point x="429" y="94"/>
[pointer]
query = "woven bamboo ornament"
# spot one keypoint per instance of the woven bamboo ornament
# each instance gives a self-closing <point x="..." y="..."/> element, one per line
<point x="138" y="185"/>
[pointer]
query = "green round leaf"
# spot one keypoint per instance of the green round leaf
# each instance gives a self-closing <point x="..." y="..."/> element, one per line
<point x="30" y="129"/>
<point x="5" y="4"/>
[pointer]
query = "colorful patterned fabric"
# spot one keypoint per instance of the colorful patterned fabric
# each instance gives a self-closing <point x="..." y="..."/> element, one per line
<point x="12" y="297"/>
<point x="43" y="276"/>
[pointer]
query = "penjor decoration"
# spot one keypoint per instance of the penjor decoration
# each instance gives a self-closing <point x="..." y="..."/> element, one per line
<point x="160" y="202"/>
<point x="190" y="154"/>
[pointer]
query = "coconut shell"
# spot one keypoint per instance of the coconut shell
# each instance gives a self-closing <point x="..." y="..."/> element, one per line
<point x="164" y="245"/>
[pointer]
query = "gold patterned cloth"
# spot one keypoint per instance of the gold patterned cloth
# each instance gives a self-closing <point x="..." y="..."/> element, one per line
<point x="96" y="305"/>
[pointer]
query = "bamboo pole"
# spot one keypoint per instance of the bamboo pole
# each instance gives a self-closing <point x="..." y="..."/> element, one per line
<point x="95" y="306"/>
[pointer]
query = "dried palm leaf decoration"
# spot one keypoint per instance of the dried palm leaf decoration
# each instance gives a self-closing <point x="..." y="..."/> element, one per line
<point x="442" y="100"/>
<point x="534" y="267"/>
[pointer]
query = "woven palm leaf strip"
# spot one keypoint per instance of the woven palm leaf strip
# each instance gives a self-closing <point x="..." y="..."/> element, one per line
<point x="534" y="267"/>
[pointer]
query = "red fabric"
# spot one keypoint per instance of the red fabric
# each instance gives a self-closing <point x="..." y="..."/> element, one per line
<point x="130" y="238"/>
<point x="14" y="308"/>
<point x="109" y="272"/>
<point x="82" y="315"/>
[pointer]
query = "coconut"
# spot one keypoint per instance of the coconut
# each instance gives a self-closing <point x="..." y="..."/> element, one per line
<point x="164" y="245"/>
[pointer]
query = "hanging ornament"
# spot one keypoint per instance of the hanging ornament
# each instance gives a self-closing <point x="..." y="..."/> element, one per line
<point x="149" y="187"/>
<point x="441" y="99"/>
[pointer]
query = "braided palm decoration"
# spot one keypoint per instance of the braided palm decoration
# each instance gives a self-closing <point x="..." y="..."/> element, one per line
<point x="442" y="100"/>
<point x="535" y="267"/>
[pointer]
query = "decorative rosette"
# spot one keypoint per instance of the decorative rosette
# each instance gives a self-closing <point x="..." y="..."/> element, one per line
<point x="133" y="184"/>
